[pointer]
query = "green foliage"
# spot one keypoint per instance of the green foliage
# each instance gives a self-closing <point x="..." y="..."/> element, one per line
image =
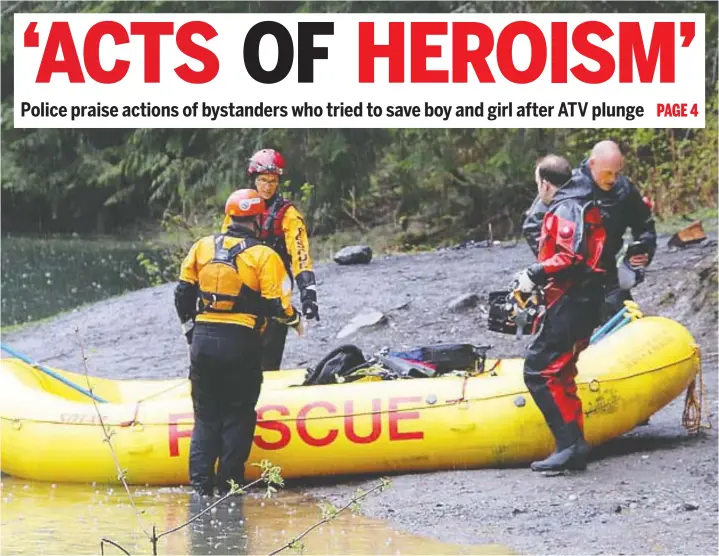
<point x="151" y="268"/>
<point x="426" y="186"/>
<point x="271" y="475"/>
<point x="298" y="547"/>
<point x="236" y="490"/>
<point x="329" y="510"/>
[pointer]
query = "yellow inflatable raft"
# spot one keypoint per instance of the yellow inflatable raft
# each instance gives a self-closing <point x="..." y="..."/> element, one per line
<point x="52" y="433"/>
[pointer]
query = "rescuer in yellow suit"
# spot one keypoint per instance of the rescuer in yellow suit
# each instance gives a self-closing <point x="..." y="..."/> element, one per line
<point x="229" y="284"/>
<point x="283" y="228"/>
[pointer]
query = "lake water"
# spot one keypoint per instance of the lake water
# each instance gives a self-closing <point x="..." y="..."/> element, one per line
<point x="45" y="276"/>
<point x="44" y="518"/>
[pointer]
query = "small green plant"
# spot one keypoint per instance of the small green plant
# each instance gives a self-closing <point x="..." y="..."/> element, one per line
<point x="171" y="248"/>
<point x="297" y="546"/>
<point x="306" y="189"/>
<point x="151" y="268"/>
<point x="329" y="510"/>
<point x="271" y="475"/>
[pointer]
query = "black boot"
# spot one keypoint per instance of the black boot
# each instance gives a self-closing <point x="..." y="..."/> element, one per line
<point x="571" y="452"/>
<point x="202" y="489"/>
<point x="572" y="458"/>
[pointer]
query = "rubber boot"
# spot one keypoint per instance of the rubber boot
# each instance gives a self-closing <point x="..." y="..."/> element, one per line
<point x="203" y="489"/>
<point x="573" y="458"/>
<point x="571" y="453"/>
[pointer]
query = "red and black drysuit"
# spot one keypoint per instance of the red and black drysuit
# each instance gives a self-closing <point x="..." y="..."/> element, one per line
<point x="622" y="207"/>
<point x="570" y="270"/>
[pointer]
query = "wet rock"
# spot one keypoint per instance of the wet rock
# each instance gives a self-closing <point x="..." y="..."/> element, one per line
<point x="353" y="254"/>
<point x="463" y="302"/>
<point x="369" y="319"/>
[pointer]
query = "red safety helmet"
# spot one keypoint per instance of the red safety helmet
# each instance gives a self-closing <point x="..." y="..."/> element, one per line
<point x="266" y="161"/>
<point x="244" y="203"/>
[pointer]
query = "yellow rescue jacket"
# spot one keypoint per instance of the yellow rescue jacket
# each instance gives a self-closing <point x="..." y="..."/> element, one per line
<point x="237" y="279"/>
<point x="284" y="229"/>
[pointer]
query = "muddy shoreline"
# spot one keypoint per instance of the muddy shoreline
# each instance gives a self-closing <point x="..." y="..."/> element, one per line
<point x="653" y="490"/>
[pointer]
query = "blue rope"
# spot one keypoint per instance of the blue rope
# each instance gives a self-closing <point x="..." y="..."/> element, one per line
<point x="627" y="320"/>
<point x="53" y="374"/>
<point x="608" y="326"/>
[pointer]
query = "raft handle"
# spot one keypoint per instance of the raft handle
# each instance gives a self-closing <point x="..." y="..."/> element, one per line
<point x="627" y="314"/>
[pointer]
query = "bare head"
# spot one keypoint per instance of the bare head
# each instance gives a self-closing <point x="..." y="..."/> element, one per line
<point x="551" y="173"/>
<point x="605" y="164"/>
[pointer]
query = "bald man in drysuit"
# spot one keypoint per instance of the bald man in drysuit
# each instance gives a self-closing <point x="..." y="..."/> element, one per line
<point x="621" y="205"/>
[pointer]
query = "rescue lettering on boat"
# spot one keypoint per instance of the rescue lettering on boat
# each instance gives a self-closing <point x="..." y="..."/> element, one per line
<point x="276" y="427"/>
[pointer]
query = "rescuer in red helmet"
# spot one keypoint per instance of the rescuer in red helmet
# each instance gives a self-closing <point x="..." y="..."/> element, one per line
<point x="283" y="228"/>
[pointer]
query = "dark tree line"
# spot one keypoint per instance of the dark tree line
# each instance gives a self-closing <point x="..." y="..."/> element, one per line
<point x="455" y="181"/>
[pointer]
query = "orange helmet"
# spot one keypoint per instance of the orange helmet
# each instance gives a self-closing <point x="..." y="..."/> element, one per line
<point x="244" y="202"/>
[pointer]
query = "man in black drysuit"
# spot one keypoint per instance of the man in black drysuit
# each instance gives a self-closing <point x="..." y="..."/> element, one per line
<point x="622" y="207"/>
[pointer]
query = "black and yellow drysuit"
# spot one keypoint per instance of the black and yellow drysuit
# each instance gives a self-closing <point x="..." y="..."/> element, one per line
<point x="229" y="284"/>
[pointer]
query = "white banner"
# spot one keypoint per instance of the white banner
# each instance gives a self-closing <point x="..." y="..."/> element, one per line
<point x="359" y="70"/>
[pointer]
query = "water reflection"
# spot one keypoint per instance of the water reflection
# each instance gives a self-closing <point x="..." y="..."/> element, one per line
<point x="222" y="530"/>
<point x="72" y="519"/>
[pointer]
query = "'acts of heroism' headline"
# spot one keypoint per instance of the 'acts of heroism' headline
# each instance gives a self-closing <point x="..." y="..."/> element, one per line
<point x="359" y="70"/>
